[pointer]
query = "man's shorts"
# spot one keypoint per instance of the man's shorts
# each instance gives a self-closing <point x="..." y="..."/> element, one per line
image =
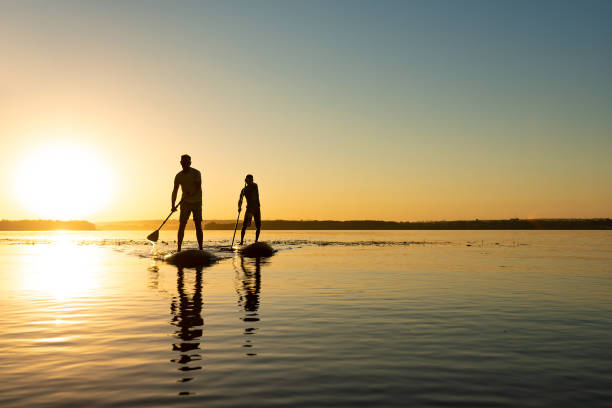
<point x="188" y="208"/>
<point x="252" y="213"/>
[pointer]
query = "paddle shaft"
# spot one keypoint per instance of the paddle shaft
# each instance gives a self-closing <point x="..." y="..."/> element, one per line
<point x="162" y="224"/>
<point x="169" y="215"/>
<point x="235" y="228"/>
<point x="237" y="217"/>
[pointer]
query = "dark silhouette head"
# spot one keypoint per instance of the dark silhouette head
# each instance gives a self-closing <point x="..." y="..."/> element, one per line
<point x="249" y="179"/>
<point x="185" y="161"/>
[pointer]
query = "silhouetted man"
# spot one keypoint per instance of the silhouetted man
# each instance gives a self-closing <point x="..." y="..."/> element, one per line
<point x="251" y="193"/>
<point x="190" y="181"/>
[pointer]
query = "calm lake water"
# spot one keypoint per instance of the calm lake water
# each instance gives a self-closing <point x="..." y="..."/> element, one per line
<point x="334" y="319"/>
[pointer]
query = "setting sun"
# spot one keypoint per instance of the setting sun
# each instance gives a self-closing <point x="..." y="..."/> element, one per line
<point x="63" y="181"/>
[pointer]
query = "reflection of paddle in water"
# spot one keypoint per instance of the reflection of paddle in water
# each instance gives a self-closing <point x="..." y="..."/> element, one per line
<point x="187" y="317"/>
<point x="249" y="288"/>
<point x="153" y="277"/>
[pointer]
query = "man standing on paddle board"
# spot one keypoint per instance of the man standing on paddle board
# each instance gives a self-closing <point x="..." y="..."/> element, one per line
<point x="251" y="193"/>
<point x="190" y="181"/>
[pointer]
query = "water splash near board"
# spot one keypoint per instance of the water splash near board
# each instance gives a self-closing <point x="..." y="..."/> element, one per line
<point x="255" y="250"/>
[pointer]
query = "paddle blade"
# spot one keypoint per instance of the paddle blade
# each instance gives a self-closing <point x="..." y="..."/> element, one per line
<point x="154" y="236"/>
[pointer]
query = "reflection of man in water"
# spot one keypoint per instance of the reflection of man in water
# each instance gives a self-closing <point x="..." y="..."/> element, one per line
<point x="251" y="285"/>
<point x="251" y="193"/>
<point x="248" y="298"/>
<point x="190" y="181"/>
<point x="187" y="317"/>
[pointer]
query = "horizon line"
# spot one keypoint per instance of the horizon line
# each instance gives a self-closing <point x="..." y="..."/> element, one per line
<point x="311" y="220"/>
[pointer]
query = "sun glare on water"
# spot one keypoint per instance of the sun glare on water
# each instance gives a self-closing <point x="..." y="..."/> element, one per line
<point x="63" y="181"/>
<point x="61" y="270"/>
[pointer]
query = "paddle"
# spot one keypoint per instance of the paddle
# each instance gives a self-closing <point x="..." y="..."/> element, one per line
<point x="154" y="236"/>
<point x="236" y="227"/>
<point x="237" y="217"/>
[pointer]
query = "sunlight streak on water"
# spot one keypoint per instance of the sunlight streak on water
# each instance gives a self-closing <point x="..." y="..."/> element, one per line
<point x="61" y="270"/>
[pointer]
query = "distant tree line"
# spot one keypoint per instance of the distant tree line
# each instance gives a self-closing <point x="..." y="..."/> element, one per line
<point x="45" y="225"/>
<point x="511" y="224"/>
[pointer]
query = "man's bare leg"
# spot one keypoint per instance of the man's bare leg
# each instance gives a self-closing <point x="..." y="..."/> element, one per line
<point x="242" y="234"/>
<point x="199" y="234"/>
<point x="181" y="233"/>
<point x="257" y="234"/>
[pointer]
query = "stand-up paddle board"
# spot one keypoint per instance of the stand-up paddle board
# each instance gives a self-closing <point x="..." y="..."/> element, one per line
<point x="190" y="258"/>
<point x="255" y="250"/>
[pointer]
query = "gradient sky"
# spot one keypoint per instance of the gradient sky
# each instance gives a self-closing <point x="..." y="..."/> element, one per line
<point x="388" y="110"/>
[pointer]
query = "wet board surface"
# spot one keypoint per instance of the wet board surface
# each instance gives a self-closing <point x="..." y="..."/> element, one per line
<point x="190" y="258"/>
<point x="255" y="250"/>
